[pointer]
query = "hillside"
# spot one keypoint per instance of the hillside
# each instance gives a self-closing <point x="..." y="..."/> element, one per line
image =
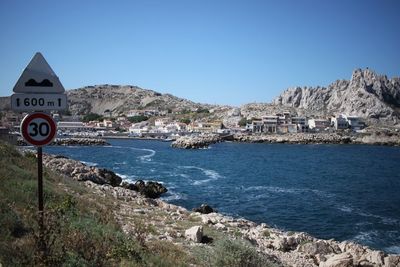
<point x="121" y="99"/>
<point x="367" y="95"/>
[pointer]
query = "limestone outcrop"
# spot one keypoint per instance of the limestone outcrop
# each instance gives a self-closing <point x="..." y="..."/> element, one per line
<point x="81" y="172"/>
<point x="196" y="141"/>
<point x="367" y="95"/>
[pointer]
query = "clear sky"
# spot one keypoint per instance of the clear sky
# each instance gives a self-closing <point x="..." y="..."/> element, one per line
<point x="210" y="51"/>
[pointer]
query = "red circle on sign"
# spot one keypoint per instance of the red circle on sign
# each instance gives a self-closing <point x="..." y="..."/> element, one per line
<point x="47" y="138"/>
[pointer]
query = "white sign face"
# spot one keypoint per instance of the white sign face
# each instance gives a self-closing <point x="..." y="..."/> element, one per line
<point x="38" y="102"/>
<point x="38" y="77"/>
<point x="38" y="129"/>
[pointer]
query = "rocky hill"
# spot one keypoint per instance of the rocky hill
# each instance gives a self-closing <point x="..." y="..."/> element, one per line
<point x="367" y="95"/>
<point x="121" y="99"/>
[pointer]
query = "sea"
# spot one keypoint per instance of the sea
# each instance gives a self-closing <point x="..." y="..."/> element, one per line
<point x="341" y="192"/>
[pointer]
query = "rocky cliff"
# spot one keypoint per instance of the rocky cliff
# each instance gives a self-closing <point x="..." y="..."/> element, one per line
<point x="121" y="99"/>
<point x="367" y="95"/>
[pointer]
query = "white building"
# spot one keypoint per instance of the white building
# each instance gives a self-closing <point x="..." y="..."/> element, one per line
<point x="73" y="126"/>
<point x="318" y="124"/>
<point x="138" y="129"/>
<point x="270" y="123"/>
<point x="354" y="123"/>
<point x="162" y="122"/>
<point x="301" y="122"/>
<point x="340" y="122"/>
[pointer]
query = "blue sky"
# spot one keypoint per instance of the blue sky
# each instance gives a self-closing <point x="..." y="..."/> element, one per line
<point x="210" y="51"/>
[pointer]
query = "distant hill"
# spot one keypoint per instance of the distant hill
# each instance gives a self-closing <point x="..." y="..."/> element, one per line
<point x="121" y="99"/>
<point x="367" y="94"/>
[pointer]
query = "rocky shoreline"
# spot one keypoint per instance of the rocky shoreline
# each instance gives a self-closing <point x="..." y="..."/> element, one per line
<point x="73" y="142"/>
<point x="375" y="138"/>
<point x="287" y="248"/>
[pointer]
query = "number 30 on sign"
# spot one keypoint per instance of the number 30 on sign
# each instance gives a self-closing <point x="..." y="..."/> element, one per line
<point x="38" y="129"/>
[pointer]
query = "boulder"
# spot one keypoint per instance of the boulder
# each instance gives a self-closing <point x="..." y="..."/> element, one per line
<point x="194" y="234"/>
<point x="204" y="209"/>
<point x="149" y="189"/>
<point x="108" y="176"/>
<point x="392" y="260"/>
<point x="339" y="260"/>
<point x="314" y="248"/>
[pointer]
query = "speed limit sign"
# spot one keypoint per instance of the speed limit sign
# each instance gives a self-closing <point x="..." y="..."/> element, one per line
<point x="38" y="129"/>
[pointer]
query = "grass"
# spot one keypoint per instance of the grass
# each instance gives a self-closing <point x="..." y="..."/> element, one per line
<point x="80" y="229"/>
<point x="226" y="252"/>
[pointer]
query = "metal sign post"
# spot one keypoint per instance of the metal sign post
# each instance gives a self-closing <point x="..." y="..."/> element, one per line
<point x="39" y="89"/>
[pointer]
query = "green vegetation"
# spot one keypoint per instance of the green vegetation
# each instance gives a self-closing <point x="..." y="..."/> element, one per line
<point x="136" y="119"/>
<point x="92" y="117"/>
<point x="227" y="252"/>
<point x="185" y="120"/>
<point x="79" y="229"/>
<point x="243" y="122"/>
<point x="202" y="110"/>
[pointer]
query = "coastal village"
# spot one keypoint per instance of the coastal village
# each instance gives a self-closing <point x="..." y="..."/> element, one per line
<point x="169" y="125"/>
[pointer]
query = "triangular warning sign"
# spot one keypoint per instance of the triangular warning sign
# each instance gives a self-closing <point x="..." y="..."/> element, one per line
<point x="38" y="77"/>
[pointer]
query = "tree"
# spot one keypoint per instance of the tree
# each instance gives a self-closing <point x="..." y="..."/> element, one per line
<point x="136" y="119"/>
<point x="202" y="110"/>
<point x="185" y="120"/>
<point x="243" y="122"/>
<point x="92" y="117"/>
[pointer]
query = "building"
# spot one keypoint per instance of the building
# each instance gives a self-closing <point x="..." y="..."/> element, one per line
<point x="286" y="128"/>
<point x="318" y="125"/>
<point x="139" y="129"/>
<point x="162" y="122"/>
<point x="205" y="127"/>
<point x="270" y="123"/>
<point x="134" y="113"/>
<point x="355" y="123"/>
<point x="339" y="122"/>
<point x="301" y="122"/>
<point x="256" y="126"/>
<point x="73" y="126"/>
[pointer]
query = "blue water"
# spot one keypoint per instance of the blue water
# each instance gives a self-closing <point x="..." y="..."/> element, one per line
<point x="345" y="192"/>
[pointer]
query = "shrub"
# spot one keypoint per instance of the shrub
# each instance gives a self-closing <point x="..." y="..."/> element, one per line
<point x="92" y="117"/>
<point x="136" y="119"/>
<point x="234" y="253"/>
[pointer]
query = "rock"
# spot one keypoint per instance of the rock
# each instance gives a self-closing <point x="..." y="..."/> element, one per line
<point x="127" y="185"/>
<point x="392" y="261"/>
<point x="149" y="189"/>
<point x="220" y="226"/>
<point x="204" y="209"/>
<point x="79" y="171"/>
<point x="109" y="176"/>
<point x="194" y="234"/>
<point x="374" y="257"/>
<point x="339" y="260"/>
<point x="367" y="95"/>
<point x="196" y="141"/>
<point x="78" y="142"/>
<point x="314" y="248"/>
